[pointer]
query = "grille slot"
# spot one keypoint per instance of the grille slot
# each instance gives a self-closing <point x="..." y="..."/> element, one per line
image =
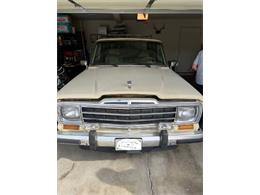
<point x="128" y="115"/>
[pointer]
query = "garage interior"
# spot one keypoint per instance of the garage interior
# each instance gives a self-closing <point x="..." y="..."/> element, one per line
<point x="178" y="24"/>
<point x="79" y="28"/>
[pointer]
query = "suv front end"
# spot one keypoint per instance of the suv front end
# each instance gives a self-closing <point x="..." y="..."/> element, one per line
<point x="128" y="99"/>
<point x="155" y="123"/>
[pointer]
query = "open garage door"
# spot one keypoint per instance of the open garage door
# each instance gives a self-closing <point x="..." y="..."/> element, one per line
<point x="177" y="23"/>
<point x="129" y="6"/>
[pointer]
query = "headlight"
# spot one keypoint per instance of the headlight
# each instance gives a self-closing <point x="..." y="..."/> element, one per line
<point x="70" y="112"/>
<point x="187" y="114"/>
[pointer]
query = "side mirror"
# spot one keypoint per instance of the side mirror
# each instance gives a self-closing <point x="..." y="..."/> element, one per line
<point x="84" y="63"/>
<point x="173" y="64"/>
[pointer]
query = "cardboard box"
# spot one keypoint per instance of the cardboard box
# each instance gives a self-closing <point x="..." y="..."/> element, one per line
<point x="102" y="30"/>
<point x="63" y="19"/>
<point x="64" y="28"/>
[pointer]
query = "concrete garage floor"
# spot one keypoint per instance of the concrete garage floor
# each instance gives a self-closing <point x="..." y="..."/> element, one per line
<point x="177" y="171"/>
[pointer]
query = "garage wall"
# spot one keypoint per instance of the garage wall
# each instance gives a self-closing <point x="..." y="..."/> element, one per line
<point x="170" y="36"/>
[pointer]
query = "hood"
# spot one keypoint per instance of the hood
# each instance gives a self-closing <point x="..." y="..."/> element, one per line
<point x="108" y="80"/>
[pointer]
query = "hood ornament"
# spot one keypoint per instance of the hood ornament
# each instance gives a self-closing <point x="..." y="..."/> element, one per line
<point x="129" y="84"/>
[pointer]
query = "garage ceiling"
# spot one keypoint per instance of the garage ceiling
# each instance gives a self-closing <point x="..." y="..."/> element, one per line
<point x="130" y="6"/>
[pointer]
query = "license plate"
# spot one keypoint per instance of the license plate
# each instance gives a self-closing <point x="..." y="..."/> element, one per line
<point x="128" y="144"/>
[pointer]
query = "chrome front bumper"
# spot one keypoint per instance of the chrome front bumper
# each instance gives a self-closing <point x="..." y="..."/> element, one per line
<point x="148" y="140"/>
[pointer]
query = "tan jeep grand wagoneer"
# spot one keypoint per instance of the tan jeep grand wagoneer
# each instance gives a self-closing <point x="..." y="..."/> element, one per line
<point x="128" y="99"/>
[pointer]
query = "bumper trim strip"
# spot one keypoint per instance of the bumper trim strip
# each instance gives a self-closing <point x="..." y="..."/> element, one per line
<point x="107" y="140"/>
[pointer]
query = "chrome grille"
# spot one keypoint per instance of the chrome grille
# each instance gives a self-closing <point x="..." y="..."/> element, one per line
<point x="128" y="115"/>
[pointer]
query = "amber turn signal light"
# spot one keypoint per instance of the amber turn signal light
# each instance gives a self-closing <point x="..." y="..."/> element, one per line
<point x="73" y="127"/>
<point x="185" y="127"/>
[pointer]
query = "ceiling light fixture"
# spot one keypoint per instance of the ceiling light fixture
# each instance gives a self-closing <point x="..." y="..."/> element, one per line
<point x="144" y="15"/>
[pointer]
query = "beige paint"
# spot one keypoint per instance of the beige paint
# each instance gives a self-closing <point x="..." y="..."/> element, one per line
<point x="108" y="80"/>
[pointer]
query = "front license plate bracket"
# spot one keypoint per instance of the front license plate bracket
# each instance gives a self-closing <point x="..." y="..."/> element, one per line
<point x="128" y="144"/>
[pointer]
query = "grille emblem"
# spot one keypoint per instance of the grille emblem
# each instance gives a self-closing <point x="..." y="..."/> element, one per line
<point x="129" y="84"/>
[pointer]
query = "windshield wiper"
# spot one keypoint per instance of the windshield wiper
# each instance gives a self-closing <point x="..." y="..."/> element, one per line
<point x="115" y="65"/>
<point x="146" y="64"/>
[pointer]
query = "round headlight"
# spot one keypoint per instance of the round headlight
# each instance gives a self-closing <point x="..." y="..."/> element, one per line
<point x="186" y="114"/>
<point x="70" y="112"/>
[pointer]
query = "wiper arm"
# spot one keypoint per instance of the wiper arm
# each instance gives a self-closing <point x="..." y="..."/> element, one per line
<point x="115" y="65"/>
<point x="148" y="65"/>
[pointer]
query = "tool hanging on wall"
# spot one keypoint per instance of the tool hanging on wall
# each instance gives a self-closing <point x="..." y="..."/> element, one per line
<point x="158" y="30"/>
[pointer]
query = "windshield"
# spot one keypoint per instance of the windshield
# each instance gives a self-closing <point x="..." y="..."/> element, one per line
<point x="129" y="53"/>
